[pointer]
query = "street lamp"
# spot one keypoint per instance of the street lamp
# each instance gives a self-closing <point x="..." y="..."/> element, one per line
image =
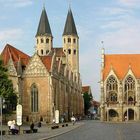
<point x="2" y="100"/>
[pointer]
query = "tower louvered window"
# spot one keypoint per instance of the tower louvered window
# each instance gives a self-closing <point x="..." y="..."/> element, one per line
<point x="47" y="40"/>
<point x="69" y="40"/>
<point x="34" y="98"/>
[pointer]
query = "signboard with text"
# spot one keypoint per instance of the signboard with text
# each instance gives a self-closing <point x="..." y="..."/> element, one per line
<point x="56" y="116"/>
<point x="19" y="114"/>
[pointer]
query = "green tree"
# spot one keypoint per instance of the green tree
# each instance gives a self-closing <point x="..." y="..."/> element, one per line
<point x="6" y="90"/>
<point x="87" y="102"/>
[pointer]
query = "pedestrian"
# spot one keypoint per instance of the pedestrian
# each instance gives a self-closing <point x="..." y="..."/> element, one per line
<point x="32" y="126"/>
<point x="125" y="118"/>
<point x="39" y="124"/>
<point x="9" y="124"/>
<point x="53" y="121"/>
<point x="13" y="128"/>
<point x="62" y="120"/>
<point x="73" y="120"/>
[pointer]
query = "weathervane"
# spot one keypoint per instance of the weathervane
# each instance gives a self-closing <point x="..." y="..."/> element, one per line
<point x="69" y="4"/>
<point x="43" y="3"/>
<point x="102" y="43"/>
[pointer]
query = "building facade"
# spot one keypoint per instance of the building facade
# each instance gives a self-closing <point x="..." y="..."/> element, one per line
<point x="120" y="87"/>
<point x="50" y="79"/>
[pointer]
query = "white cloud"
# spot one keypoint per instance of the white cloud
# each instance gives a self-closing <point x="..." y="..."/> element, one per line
<point x="130" y="2"/>
<point x="16" y="3"/>
<point x="124" y="40"/>
<point x="114" y="11"/>
<point x="113" y="25"/>
<point x="10" y="36"/>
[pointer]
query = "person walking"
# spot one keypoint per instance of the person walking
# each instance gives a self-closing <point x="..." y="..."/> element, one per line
<point x="32" y="126"/>
<point x="9" y="123"/>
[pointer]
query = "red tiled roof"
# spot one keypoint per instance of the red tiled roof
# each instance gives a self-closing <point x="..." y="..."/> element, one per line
<point x="120" y="64"/>
<point x="85" y="89"/>
<point x="47" y="60"/>
<point x="59" y="52"/>
<point x="15" y="54"/>
<point x="95" y="103"/>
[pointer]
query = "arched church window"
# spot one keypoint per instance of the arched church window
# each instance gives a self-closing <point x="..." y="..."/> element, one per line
<point x="47" y="40"/>
<point x="42" y="41"/>
<point x="42" y="52"/>
<point x="64" y="40"/>
<point x="129" y="89"/>
<point x="69" y="40"/>
<point x="74" y="51"/>
<point x="112" y="89"/>
<point x="112" y="84"/>
<point x="34" y="98"/>
<point x="129" y="84"/>
<point x="37" y="41"/>
<point x="74" y="40"/>
<point x="113" y="97"/>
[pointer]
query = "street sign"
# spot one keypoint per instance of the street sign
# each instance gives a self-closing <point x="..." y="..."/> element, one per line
<point x="19" y="114"/>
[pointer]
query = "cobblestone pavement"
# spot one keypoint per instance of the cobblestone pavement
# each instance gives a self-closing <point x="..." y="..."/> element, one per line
<point x="93" y="130"/>
<point x="44" y="132"/>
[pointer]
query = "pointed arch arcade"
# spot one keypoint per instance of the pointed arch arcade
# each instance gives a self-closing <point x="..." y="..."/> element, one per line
<point x="34" y="98"/>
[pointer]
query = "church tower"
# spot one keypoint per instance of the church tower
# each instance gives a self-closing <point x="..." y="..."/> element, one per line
<point x="71" y="43"/>
<point x="44" y="38"/>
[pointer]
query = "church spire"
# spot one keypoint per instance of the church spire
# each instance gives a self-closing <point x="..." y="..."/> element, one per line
<point x="70" y="28"/>
<point x="44" y="38"/>
<point x="44" y="26"/>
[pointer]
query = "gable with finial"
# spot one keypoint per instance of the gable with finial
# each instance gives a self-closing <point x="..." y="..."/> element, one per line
<point x="11" y="68"/>
<point x="35" y="67"/>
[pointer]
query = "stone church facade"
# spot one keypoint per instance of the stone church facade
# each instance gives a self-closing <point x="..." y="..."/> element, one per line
<point x="120" y="87"/>
<point x="50" y="79"/>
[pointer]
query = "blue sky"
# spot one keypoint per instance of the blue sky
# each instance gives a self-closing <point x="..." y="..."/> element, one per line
<point x="116" y="22"/>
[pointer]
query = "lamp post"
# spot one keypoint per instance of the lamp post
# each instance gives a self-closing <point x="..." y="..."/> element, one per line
<point x="1" y="115"/>
<point x="2" y="100"/>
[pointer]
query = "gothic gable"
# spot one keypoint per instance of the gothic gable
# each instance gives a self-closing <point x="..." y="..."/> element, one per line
<point x="35" y="67"/>
<point x="11" y="68"/>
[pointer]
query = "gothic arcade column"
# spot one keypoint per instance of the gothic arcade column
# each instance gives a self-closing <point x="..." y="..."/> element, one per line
<point x="120" y="99"/>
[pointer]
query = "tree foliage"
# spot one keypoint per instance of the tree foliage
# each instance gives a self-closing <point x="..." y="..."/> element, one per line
<point x="87" y="102"/>
<point x="6" y="89"/>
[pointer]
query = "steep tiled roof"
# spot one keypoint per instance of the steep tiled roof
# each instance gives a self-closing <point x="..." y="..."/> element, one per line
<point x="59" y="52"/>
<point x="120" y="63"/>
<point x="70" y="28"/>
<point x="44" y="26"/>
<point x="47" y="60"/>
<point x="11" y="52"/>
<point x="95" y="103"/>
<point x="85" y="89"/>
